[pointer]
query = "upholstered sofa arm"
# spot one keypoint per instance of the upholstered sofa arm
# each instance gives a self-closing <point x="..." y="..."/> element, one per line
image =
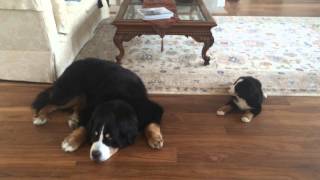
<point x="36" y="5"/>
<point x="28" y="37"/>
<point x="31" y="48"/>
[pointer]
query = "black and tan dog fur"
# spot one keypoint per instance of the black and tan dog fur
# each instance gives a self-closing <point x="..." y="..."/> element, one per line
<point x="109" y="101"/>
<point x="246" y="95"/>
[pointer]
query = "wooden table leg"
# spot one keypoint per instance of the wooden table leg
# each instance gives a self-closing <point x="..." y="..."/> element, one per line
<point x="118" y="40"/>
<point x="207" y="44"/>
<point x="208" y="41"/>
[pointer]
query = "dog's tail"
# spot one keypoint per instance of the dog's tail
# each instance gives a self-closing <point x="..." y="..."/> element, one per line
<point x="41" y="100"/>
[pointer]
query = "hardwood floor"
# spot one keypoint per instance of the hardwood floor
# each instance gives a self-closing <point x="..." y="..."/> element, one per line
<point x="256" y="7"/>
<point x="271" y="8"/>
<point x="282" y="143"/>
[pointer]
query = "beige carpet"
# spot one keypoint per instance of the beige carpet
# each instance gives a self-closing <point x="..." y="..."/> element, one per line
<point x="283" y="52"/>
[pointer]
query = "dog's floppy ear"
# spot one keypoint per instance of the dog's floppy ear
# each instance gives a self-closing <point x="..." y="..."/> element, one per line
<point x="128" y="130"/>
<point x="259" y="84"/>
<point x="256" y="95"/>
<point x="238" y="79"/>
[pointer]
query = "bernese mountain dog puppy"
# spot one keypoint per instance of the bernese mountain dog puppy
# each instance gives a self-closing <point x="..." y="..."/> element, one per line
<point x="110" y="107"/>
<point x="247" y="95"/>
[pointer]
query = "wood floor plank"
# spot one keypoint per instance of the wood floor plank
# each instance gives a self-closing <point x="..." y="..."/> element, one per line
<point x="271" y="8"/>
<point x="281" y="143"/>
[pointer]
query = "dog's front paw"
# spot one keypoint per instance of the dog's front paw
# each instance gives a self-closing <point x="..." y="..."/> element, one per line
<point x="154" y="136"/>
<point x="245" y="119"/>
<point x="73" y="121"/>
<point x="156" y="141"/>
<point x="69" y="144"/>
<point x="221" y="113"/>
<point x="74" y="140"/>
<point x="37" y="121"/>
<point x="224" y="110"/>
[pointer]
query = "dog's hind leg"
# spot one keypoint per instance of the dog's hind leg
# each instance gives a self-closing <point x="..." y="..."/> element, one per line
<point x="41" y="107"/>
<point x="41" y="117"/>
<point x="78" y="105"/>
<point x="250" y="114"/>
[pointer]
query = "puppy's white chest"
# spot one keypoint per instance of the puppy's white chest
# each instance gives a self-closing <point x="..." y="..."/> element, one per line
<point x="241" y="103"/>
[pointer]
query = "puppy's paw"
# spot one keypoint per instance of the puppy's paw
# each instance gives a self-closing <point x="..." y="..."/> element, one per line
<point x="37" y="121"/>
<point x="156" y="141"/>
<point x="69" y="144"/>
<point x="224" y="110"/>
<point x="73" y="121"/>
<point x="221" y="113"/>
<point x="245" y="119"/>
<point x="265" y="95"/>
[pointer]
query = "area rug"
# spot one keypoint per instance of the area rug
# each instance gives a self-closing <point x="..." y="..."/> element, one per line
<point x="282" y="52"/>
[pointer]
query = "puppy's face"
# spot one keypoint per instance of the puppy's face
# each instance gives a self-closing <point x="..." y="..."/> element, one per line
<point x="232" y="88"/>
<point x="246" y="88"/>
<point x="114" y="126"/>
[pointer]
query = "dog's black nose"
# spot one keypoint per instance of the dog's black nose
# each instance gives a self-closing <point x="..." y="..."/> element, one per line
<point x="96" y="154"/>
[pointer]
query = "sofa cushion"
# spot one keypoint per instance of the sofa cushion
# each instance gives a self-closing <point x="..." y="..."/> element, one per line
<point x="36" y="5"/>
<point x="61" y="16"/>
<point x="84" y="18"/>
<point x="79" y="11"/>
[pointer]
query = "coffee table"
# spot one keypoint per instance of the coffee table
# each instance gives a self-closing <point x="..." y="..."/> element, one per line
<point x="194" y="21"/>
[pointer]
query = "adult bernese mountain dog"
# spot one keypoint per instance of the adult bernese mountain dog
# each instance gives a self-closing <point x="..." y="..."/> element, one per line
<point x="110" y="107"/>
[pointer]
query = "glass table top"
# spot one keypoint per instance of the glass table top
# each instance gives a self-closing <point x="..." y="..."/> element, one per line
<point x="186" y="10"/>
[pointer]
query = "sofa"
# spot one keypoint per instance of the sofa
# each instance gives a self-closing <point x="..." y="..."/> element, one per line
<point x="40" y="38"/>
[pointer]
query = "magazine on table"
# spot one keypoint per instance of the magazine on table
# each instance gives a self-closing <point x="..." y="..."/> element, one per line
<point x="155" y="13"/>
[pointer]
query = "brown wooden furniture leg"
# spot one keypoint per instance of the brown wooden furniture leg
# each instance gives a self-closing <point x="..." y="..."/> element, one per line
<point x="128" y="25"/>
<point x="118" y="40"/>
<point x="207" y="44"/>
<point x="208" y="41"/>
